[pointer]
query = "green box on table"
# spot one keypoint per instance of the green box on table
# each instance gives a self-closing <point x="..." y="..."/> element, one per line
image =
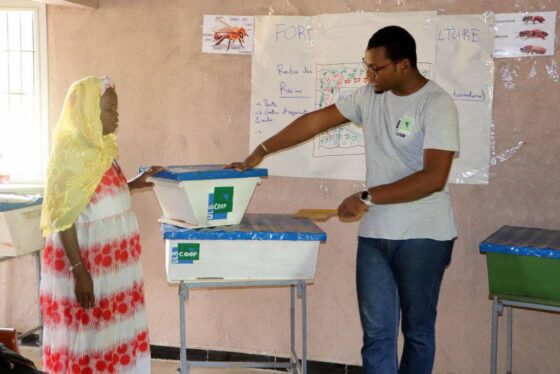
<point x="524" y="264"/>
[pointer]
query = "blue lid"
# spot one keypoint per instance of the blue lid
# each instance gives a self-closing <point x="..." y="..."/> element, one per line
<point x="252" y="227"/>
<point x="4" y="207"/>
<point x="202" y="172"/>
<point x="523" y="241"/>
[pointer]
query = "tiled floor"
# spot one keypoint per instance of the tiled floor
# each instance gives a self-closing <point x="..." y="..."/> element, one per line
<point x="158" y="366"/>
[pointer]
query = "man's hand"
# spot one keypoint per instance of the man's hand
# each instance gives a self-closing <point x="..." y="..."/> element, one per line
<point x="139" y="181"/>
<point x="250" y="162"/>
<point x="352" y="208"/>
<point x="83" y="287"/>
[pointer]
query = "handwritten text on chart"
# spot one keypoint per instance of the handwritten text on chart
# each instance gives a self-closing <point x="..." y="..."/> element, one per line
<point x="282" y="70"/>
<point x="287" y="92"/>
<point x="449" y="34"/>
<point x="293" y="32"/>
<point x="468" y="95"/>
<point x="267" y="110"/>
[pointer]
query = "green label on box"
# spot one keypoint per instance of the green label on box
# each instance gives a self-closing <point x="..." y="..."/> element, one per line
<point x="188" y="252"/>
<point x="223" y="199"/>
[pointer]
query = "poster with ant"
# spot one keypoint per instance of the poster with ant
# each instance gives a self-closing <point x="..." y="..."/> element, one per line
<point x="525" y="34"/>
<point x="227" y="34"/>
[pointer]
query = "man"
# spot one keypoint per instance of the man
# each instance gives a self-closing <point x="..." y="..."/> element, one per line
<point x="407" y="230"/>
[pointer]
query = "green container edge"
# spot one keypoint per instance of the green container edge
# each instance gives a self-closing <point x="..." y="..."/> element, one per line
<point x="524" y="278"/>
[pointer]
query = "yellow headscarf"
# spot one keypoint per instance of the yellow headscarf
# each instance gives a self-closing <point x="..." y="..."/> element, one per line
<point x="80" y="156"/>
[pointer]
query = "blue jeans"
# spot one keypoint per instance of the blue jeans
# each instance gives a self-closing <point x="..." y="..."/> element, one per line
<point x="395" y="276"/>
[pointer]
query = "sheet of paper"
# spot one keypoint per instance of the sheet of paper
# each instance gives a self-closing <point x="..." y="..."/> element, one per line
<point x="282" y="87"/>
<point x="465" y="69"/>
<point x="301" y="64"/>
<point x="525" y="34"/>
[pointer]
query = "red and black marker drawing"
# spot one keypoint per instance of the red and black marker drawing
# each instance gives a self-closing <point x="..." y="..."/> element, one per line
<point x="533" y="49"/>
<point x="533" y="19"/>
<point x="535" y="33"/>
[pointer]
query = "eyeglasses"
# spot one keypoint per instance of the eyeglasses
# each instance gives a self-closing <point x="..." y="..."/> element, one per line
<point x="376" y="71"/>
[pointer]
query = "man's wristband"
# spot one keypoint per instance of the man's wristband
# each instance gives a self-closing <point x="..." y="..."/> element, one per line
<point x="365" y="197"/>
<point x="264" y="148"/>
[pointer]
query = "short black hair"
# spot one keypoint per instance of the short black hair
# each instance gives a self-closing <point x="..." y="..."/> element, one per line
<point x="398" y="43"/>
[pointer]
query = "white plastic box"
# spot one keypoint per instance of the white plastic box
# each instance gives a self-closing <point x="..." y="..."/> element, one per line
<point x="205" y="195"/>
<point x="19" y="229"/>
<point x="261" y="247"/>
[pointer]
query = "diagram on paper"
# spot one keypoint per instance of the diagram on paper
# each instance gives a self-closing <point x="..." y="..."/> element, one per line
<point x="334" y="82"/>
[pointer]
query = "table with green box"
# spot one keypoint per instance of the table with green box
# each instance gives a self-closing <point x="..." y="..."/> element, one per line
<point x="523" y="272"/>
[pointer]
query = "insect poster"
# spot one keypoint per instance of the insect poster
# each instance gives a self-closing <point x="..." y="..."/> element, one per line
<point x="228" y="34"/>
<point x="525" y="34"/>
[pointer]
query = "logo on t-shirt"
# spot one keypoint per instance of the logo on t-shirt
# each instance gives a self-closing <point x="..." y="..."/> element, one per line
<point x="404" y="126"/>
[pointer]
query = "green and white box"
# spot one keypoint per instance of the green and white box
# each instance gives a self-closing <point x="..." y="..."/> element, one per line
<point x="19" y="228"/>
<point x="205" y="195"/>
<point x="261" y="247"/>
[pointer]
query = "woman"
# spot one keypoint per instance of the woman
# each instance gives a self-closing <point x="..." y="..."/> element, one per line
<point x="91" y="278"/>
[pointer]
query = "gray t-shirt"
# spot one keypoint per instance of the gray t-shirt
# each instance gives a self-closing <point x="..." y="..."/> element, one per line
<point x="397" y="129"/>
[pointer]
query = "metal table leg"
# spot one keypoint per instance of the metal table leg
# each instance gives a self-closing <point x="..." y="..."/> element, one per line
<point x="494" y="348"/>
<point x="293" y="356"/>
<point x="183" y="295"/>
<point x="295" y="366"/>
<point x="509" y="338"/>
<point x="497" y="309"/>
<point x="302" y="290"/>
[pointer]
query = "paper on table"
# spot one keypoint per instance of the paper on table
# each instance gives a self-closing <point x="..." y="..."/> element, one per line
<point x="18" y="199"/>
<point x="177" y="223"/>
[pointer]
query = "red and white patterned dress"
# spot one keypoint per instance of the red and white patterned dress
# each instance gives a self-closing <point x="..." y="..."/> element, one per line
<point x="111" y="337"/>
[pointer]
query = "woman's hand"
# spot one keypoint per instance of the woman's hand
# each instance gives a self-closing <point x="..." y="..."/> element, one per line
<point x="139" y="181"/>
<point x="83" y="287"/>
<point x="83" y="284"/>
<point x="250" y="162"/>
